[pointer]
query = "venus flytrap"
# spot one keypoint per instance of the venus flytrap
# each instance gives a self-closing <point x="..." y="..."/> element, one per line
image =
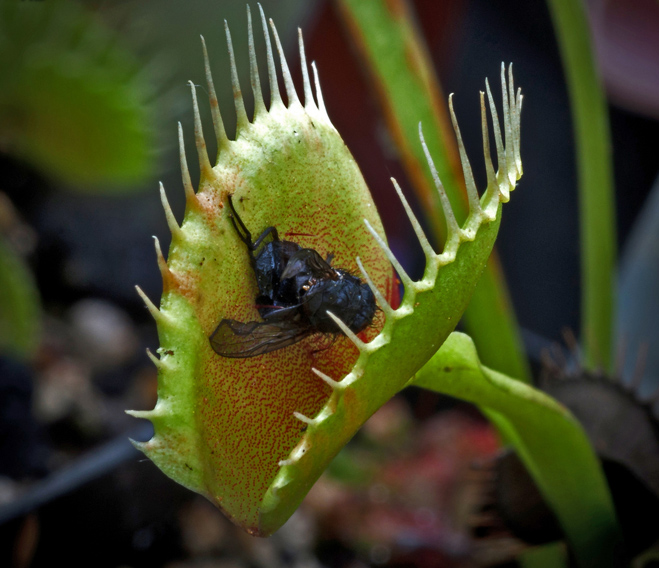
<point x="253" y="435"/>
<point x="222" y="426"/>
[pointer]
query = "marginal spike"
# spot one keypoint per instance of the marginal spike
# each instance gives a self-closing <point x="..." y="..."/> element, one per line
<point x="514" y="115"/>
<point x="319" y="92"/>
<point x="508" y="130"/>
<point x="420" y="234"/>
<point x="331" y="382"/>
<point x="139" y="446"/>
<point x="205" y="167"/>
<point x="241" y="113"/>
<point x="259" y="105"/>
<point x="517" y="133"/>
<point x="299" y="451"/>
<point x="382" y="301"/>
<point x="218" y="123"/>
<point x="472" y="192"/>
<point x="139" y="414"/>
<point x="452" y="227"/>
<point x="348" y="332"/>
<point x="303" y="418"/>
<point x="288" y="80"/>
<point x="489" y="167"/>
<point x="157" y="362"/>
<point x="308" y="95"/>
<point x="404" y="278"/>
<point x="190" y="197"/>
<point x="501" y="155"/>
<point x="153" y="310"/>
<point x="174" y="229"/>
<point x="275" y="95"/>
<point x="504" y="98"/>
<point x="162" y="263"/>
<point x="510" y="81"/>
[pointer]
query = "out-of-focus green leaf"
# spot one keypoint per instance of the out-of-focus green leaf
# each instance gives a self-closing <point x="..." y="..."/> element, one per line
<point x="595" y="169"/>
<point x="72" y="100"/>
<point x="410" y="93"/>
<point x="19" y="305"/>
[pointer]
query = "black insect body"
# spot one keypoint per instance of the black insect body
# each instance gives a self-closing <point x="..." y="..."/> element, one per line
<point x="297" y="287"/>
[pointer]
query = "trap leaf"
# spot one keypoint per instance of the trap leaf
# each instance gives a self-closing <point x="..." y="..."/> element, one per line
<point x="254" y="434"/>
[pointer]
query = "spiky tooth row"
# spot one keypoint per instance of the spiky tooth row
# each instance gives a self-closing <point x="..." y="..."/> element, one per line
<point x="207" y="172"/>
<point x="481" y="211"/>
<point x="499" y="184"/>
<point x="206" y="169"/>
<point x="313" y="109"/>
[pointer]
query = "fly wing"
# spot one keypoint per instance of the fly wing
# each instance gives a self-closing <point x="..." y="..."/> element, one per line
<point x="240" y="340"/>
<point x="309" y="263"/>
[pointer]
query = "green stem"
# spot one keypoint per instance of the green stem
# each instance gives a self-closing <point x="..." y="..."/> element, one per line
<point x="548" y="439"/>
<point x="595" y="171"/>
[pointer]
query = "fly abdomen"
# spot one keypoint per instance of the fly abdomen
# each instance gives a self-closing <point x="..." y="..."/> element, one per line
<point x="347" y="298"/>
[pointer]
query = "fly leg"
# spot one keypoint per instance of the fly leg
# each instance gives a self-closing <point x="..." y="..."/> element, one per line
<point x="245" y="235"/>
<point x="243" y="232"/>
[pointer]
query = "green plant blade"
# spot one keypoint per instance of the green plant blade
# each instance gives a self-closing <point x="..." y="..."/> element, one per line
<point x="595" y="173"/>
<point x="547" y="438"/>
<point x="73" y="101"/>
<point x="19" y="305"/>
<point x="409" y="92"/>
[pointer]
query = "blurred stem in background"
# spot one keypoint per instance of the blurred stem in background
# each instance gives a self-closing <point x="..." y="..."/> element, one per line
<point x="596" y="186"/>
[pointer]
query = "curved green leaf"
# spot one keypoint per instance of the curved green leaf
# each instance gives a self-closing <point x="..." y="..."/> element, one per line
<point x="547" y="438"/>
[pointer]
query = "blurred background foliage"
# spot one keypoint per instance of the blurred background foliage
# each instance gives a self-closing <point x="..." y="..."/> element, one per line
<point x="90" y="93"/>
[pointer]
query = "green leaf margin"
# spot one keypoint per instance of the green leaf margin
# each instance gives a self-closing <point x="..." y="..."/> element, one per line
<point x="388" y="41"/>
